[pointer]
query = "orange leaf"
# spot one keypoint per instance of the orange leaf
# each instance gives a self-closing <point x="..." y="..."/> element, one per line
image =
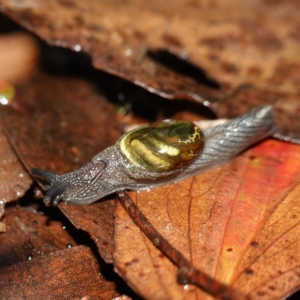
<point x="237" y="223"/>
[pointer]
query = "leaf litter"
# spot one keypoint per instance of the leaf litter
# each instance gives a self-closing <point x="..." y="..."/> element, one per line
<point x="261" y="86"/>
<point x="240" y="47"/>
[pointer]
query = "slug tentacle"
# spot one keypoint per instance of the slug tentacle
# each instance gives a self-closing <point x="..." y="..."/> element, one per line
<point x="46" y="175"/>
<point x="158" y="154"/>
<point x="55" y="188"/>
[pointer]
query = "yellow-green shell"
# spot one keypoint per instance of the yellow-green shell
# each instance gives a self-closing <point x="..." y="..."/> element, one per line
<point x="163" y="146"/>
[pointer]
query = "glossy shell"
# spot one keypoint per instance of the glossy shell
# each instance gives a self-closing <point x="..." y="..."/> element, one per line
<point x="163" y="146"/>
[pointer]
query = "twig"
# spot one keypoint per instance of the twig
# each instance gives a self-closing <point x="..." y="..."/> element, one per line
<point x="187" y="273"/>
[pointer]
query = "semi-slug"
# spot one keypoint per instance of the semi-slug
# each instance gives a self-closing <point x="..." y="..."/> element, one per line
<point x="158" y="154"/>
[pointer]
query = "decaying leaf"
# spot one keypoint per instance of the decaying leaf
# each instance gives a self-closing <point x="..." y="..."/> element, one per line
<point x="18" y="60"/>
<point x="67" y="274"/>
<point x="117" y="44"/>
<point x="241" y="46"/>
<point x="230" y="41"/>
<point x="14" y="179"/>
<point x="98" y="220"/>
<point x="66" y="122"/>
<point x="177" y="211"/>
<point x="237" y="223"/>
<point x="31" y="234"/>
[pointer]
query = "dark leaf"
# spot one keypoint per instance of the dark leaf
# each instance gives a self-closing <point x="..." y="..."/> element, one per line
<point x="14" y="179"/>
<point x="58" y="124"/>
<point x="239" y="45"/>
<point x="31" y="234"/>
<point x="67" y="274"/>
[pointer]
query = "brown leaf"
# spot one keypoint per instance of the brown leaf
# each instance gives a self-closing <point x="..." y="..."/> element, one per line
<point x="66" y="122"/>
<point x="117" y="45"/>
<point x="14" y="179"/>
<point x="31" y="234"/>
<point x="212" y="32"/>
<point x="98" y="220"/>
<point x="240" y="45"/>
<point x="170" y="85"/>
<point x="68" y="274"/>
<point x="64" y="119"/>
<point x="237" y="223"/>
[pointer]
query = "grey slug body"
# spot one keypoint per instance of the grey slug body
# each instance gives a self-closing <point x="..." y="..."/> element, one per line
<point x="111" y="170"/>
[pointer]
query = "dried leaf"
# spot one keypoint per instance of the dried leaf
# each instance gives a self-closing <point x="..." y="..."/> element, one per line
<point x="14" y="179"/>
<point x="98" y="220"/>
<point x="31" y="234"/>
<point x="68" y="274"/>
<point x="240" y="45"/>
<point x="212" y="32"/>
<point x="66" y="122"/>
<point x="237" y="223"/>
<point x="116" y="44"/>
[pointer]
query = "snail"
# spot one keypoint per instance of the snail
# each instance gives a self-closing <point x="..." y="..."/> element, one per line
<point x="157" y="154"/>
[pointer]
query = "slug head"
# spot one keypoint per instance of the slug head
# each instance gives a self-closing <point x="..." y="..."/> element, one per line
<point x="74" y="187"/>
